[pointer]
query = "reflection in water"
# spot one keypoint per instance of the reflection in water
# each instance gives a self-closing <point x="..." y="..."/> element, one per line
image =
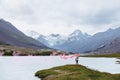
<point x="23" y="68"/>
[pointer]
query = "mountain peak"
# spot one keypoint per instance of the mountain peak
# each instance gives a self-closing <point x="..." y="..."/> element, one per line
<point x="109" y="29"/>
<point x="32" y="34"/>
<point x="2" y="19"/>
<point x="55" y="35"/>
<point x="87" y="35"/>
<point x="76" y="32"/>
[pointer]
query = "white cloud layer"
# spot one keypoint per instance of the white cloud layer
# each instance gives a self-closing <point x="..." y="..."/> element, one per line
<point x="61" y="16"/>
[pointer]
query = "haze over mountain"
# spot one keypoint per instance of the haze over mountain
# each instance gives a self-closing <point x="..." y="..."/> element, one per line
<point x="81" y="42"/>
<point x="12" y="36"/>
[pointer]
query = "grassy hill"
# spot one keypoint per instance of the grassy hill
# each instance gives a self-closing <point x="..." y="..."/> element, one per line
<point x="74" y="72"/>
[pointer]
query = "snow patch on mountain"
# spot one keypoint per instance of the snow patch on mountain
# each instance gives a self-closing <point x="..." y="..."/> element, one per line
<point x="49" y="40"/>
<point x="55" y="39"/>
<point x="32" y="34"/>
<point x="77" y="35"/>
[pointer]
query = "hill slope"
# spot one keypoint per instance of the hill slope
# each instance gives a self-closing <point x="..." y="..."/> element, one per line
<point x="111" y="47"/>
<point x="11" y="36"/>
<point x="74" y="72"/>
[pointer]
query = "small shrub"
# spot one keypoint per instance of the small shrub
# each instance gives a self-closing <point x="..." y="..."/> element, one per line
<point x="8" y="54"/>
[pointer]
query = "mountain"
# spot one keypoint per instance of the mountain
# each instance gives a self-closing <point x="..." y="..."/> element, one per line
<point x="94" y="42"/>
<point x="67" y="43"/>
<point x="12" y="36"/>
<point x="102" y="38"/>
<point x="32" y="33"/>
<point x="74" y="41"/>
<point x="111" y="47"/>
<point x="49" y="40"/>
<point x="77" y="35"/>
<point x="80" y="42"/>
<point x="55" y="39"/>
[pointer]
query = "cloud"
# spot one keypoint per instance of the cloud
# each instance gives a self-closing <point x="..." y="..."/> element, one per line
<point x="87" y="15"/>
<point x="103" y="17"/>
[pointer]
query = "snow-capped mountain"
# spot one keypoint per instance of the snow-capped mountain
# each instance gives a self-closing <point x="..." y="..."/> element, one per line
<point x="55" y="39"/>
<point x="91" y="43"/>
<point x="49" y="40"/>
<point x="32" y="34"/>
<point x="80" y="42"/>
<point x="74" y="41"/>
<point x="77" y="35"/>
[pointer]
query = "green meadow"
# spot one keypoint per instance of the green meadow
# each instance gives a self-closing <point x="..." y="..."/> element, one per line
<point x="74" y="72"/>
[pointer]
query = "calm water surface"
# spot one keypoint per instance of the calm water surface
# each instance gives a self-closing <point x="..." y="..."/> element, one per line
<point x="23" y="68"/>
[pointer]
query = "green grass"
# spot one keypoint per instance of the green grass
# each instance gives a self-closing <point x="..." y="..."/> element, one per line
<point x="25" y="51"/>
<point x="8" y="54"/>
<point x="75" y="72"/>
<point x="103" y="55"/>
<point x="42" y="53"/>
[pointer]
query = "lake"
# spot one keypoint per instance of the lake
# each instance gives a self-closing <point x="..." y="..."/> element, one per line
<point x="23" y="68"/>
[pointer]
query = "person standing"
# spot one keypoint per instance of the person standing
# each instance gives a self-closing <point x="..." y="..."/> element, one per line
<point x="77" y="59"/>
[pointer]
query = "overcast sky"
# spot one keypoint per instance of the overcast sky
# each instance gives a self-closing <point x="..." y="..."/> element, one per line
<point x="61" y="16"/>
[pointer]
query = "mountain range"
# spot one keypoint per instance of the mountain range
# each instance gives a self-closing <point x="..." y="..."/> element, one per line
<point x="10" y="35"/>
<point x="112" y="47"/>
<point x="77" y="41"/>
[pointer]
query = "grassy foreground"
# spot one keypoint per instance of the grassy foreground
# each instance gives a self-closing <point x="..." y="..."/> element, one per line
<point x="74" y="72"/>
<point x="23" y="51"/>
